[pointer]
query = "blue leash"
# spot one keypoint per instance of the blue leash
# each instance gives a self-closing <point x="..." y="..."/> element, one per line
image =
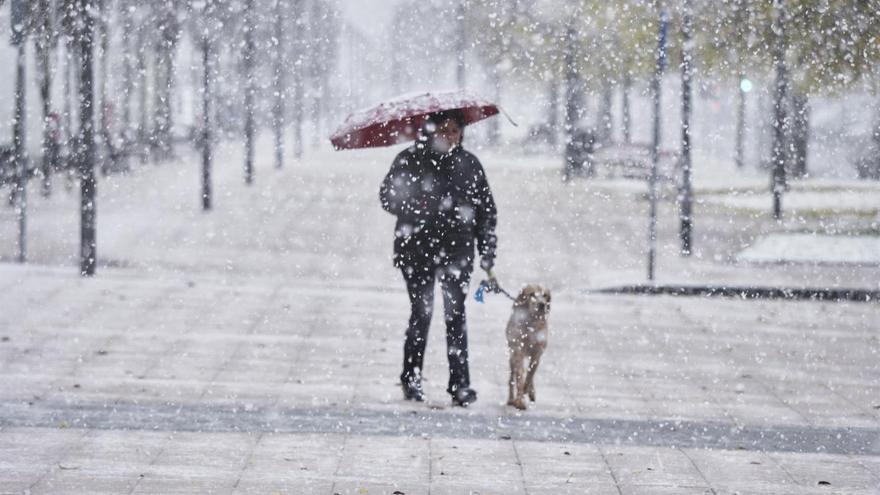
<point x="485" y="286"/>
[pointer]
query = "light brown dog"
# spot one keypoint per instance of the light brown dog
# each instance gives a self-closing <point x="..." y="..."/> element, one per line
<point x="526" y="341"/>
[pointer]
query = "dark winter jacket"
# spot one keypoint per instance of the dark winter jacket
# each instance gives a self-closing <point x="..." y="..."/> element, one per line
<point x="443" y="205"/>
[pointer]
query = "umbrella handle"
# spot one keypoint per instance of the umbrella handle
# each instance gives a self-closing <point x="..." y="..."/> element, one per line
<point x="508" y="116"/>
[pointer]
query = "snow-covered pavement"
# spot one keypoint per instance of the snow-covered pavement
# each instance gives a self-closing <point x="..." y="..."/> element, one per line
<point x="256" y="348"/>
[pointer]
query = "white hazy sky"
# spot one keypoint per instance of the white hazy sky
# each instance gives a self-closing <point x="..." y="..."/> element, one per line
<point x="370" y="16"/>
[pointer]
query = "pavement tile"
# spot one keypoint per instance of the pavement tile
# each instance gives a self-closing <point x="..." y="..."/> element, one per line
<point x="344" y="486"/>
<point x="664" y="490"/>
<point x="295" y="486"/>
<point x="564" y="468"/>
<point x="78" y="483"/>
<point x="574" y="488"/>
<point x="742" y="471"/>
<point x="165" y="484"/>
<point x="457" y="464"/>
<point x="841" y="473"/>
<point x="391" y="460"/>
<point x="642" y="466"/>
<point x="474" y="488"/>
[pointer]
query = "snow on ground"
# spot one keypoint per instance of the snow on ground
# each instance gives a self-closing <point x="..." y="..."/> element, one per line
<point x="806" y="202"/>
<point x="281" y="307"/>
<point x="813" y="248"/>
<point x="319" y="219"/>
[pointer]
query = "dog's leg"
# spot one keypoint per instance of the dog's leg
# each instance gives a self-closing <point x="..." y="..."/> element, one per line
<point x="530" y="375"/>
<point x="511" y="383"/>
<point x="515" y="397"/>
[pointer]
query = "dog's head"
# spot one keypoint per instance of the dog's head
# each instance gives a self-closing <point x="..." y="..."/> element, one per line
<point x="535" y="299"/>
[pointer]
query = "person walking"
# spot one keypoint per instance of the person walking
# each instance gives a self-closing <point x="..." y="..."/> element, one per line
<point x="444" y="207"/>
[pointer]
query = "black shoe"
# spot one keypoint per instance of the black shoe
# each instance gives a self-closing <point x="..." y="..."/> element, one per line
<point x="413" y="391"/>
<point x="464" y="397"/>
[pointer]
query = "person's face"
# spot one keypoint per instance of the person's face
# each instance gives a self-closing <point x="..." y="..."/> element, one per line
<point x="450" y="130"/>
<point x="447" y="136"/>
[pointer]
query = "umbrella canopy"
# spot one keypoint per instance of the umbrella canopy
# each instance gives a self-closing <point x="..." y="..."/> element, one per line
<point x="400" y="119"/>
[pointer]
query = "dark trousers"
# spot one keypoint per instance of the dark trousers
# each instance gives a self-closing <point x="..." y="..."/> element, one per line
<point x="454" y="278"/>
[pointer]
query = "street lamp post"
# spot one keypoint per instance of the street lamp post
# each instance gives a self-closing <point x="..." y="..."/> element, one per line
<point x="686" y="194"/>
<point x="249" y="55"/>
<point x="203" y="10"/>
<point x="206" y="125"/>
<point x="780" y="114"/>
<point x="278" y="82"/>
<point x="88" y="184"/>
<point x="655" y="146"/>
<point x="744" y="87"/>
<point x="20" y="22"/>
<point x="20" y="153"/>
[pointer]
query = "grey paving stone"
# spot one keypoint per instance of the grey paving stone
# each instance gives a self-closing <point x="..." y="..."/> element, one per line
<point x="841" y="474"/>
<point x="665" y="490"/>
<point x="84" y="483"/>
<point x="563" y="468"/>
<point x="575" y="488"/>
<point x="459" y="464"/>
<point x="182" y="484"/>
<point x="348" y="487"/>
<point x="661" y="467"/>
<point x="283" y="486"/>
<point x="395" y="460"/>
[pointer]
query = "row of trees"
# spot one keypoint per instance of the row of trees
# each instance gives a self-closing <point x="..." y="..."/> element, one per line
<point x="138" y="63"/>
<point x="276" y="58"/>
<point x="827" y="46"/>
<point x="799" y="48"/>
<point x="110" y="73"/>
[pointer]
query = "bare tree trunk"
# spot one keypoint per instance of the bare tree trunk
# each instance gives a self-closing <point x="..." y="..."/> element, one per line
<point x="740" y="122"/>
<point x="553" y="111"/>
<point x="43" y="46"/>
<point x="249" y="54"/>
<point x="313" y="95"/>
<point x="165" y="49"/>
<point x="298" y="118"/>
<point x="298" y="11"/>
<point x="765" y="113"/>
<point x="129" y="85"/>
<point x="325" y="99"/>
<point x="104" y="146"/>
<point x="685" y="214"/>
<point x="656" y="93"/>
<point x="626" y="118"/>
<point x="19" y="143"/>
<point x="314" y="100"/>
<point x="278" y="109"/>
<point x="143" y="81"/>
<point x="572" y="102"/>
<point x="875" y="156"/>
<point x="206" y="125"/>
<point x="88" y="184"/>
<point x="780" y="120"/>
<point x="800" y="133"/>
<point x="298" y="112"/>
<point x="160" y="122"/>
<point x="606" y="122"/>
<point x="70" y="80"/>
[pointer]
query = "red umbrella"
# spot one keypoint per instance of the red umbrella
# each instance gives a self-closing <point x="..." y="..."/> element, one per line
<point x="400" y="119"/>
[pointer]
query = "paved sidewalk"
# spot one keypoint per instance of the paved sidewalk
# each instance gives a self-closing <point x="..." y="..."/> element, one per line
<point x="256" y="349"/>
